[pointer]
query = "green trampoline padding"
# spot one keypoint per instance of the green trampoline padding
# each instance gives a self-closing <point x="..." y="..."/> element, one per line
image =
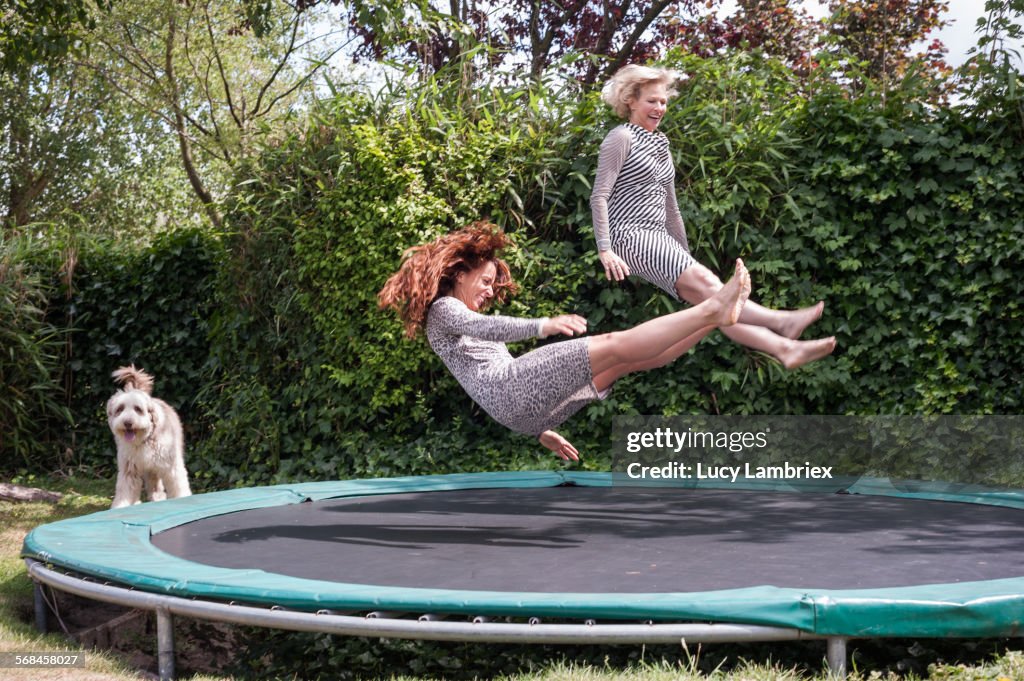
<point x="118" y="546"/>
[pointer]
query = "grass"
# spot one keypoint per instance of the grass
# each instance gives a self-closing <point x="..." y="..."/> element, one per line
<point x="716" y="663"/>
<point x="17" y="629"/>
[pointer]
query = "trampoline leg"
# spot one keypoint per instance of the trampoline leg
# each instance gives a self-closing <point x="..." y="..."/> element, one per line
<point x="165" y="644"/>
<point x="40" y="606"/>
<point x="837" y="657"/>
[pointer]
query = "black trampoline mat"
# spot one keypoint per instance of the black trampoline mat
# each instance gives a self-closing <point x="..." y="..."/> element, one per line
<point x="614" y="540"/>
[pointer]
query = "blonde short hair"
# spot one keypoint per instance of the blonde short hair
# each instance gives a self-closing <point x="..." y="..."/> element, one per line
<point x="625" y="85"/>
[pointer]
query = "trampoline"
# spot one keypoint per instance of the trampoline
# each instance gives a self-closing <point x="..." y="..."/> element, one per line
<point x="561" y="557"/>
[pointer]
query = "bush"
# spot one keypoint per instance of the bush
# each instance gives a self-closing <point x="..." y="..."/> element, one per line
<point x="123" y="303"/>
<point x="904" y="218"/>
<point x="32" y="407"/>
<point x="825" y="196"/>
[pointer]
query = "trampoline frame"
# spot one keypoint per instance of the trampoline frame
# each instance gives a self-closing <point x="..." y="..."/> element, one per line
<point x="958" y="602"/>
<point x="427" y="626"/>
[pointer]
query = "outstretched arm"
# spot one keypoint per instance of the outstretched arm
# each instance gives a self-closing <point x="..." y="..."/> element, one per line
<point x="562" y="448"/>
<point x="450" y="315"/>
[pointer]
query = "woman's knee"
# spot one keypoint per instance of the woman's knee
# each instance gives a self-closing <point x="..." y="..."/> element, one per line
<point x="697" y="283"/>
<point x="605" y="350"/>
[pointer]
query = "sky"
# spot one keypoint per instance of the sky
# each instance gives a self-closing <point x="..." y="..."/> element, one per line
<point x="959" y="35"/>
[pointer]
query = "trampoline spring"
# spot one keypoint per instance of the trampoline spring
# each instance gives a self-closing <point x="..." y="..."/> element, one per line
<point x="590" y="623"/>
<point x="430" y="617"/>
<point x="383" y="615"/>
<point x="328" y="612"/>
<point x="533" y="621"/>
<point x="481" y="619"/>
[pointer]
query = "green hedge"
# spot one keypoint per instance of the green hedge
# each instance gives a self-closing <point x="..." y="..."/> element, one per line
<point x="801" y="185"/>
<point x="914" y="226"/>
<point x="903" y="217"/>
<point x="111" y="304"/>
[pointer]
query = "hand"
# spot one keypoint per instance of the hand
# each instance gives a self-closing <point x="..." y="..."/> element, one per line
<point x="615" y="268"/>
<point x="567" y="324"/>
<point x="559" y="445"/>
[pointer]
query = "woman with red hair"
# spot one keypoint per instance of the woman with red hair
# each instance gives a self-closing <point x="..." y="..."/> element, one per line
<point x="443" y="286"/>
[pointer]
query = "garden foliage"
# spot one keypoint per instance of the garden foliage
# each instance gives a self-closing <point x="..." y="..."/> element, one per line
<point x="904" y="217"/>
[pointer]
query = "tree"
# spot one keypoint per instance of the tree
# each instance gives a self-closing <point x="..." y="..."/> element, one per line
<point x="33" y="32"/>
<point x="607" y="34"/>
<point x="880" y="35"/>
<point x="201" y="70"/>
<point x="782" y="28"/>
<point x="601" y="35"/>
<point x="72" y="148"/>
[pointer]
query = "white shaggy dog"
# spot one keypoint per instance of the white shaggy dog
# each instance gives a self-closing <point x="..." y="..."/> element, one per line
<point x="150" y="443"/>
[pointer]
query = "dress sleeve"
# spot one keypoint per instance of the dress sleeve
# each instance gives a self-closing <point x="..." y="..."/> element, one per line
<point x="450" y="316"/>
<point x="673" y="219"/>
<point x="614" y="151"/>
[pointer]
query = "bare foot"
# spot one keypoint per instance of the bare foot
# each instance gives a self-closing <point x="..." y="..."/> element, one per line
<point x="731" y="298"/>
<point x="802" y="352"/>
<point x="798" y="320"/>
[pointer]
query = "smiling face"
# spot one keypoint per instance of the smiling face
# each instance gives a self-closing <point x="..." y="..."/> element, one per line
<point x="648" y="109"/>
<point x="476" y="287"/>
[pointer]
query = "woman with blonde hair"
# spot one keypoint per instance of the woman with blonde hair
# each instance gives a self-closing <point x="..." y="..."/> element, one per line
<point x="443" y="287"/>
<point x="640" y="231"/>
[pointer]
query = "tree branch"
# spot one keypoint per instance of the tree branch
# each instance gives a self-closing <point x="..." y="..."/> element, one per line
<point x="179" y="127"/>
<point x="653" y="12"/>
<point x="277" y="70"/>
<point x="220" y="70"/>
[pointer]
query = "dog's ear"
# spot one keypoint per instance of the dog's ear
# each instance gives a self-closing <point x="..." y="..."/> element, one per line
<point x="155" y="415"/>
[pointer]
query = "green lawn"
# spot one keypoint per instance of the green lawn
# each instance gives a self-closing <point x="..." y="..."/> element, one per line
<point x="755" y="663"/>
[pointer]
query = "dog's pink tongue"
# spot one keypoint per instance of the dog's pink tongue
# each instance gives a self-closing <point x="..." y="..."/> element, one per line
<point x="129" y="435"/>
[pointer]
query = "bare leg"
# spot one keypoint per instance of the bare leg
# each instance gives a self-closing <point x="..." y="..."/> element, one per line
<point x="653" y="343"/>
<point x="673" y="353"/>
<point x="771" y="331"/>
<point x="697" y="282"/>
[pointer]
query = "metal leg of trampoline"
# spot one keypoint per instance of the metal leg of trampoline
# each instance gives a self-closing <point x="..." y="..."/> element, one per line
<point x="837" y="656"/>
<point x="165" y="644"/>
<point x="40" y="607"/>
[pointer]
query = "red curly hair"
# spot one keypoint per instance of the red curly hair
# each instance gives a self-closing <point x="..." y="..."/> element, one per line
<point x="430" y="270"/>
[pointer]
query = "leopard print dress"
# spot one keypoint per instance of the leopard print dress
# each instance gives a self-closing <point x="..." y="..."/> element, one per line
<point x="529" y="394"/>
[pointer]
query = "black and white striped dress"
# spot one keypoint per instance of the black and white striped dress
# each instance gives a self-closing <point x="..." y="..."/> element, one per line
<point x="634" y="206"/>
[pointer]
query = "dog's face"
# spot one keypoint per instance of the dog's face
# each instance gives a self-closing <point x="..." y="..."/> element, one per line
<point x="130" y="415"/>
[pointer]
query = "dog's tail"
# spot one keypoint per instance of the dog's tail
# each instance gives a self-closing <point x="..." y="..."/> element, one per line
<point x="134" y="379"/>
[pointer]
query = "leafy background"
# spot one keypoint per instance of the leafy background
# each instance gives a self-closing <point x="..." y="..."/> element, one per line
<point x="903" y="216"/>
